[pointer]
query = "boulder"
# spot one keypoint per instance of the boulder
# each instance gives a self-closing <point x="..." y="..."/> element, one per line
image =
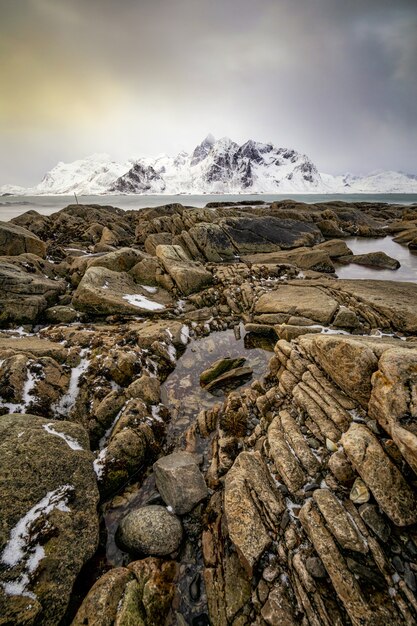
<point x="150" y="530"/>
<point x="104" y="292"/>
<point x="371" y="259"/>
<point x="179" y="481"/>
<point x="189" y="276"/>
<point x="49" y="516"/>
<point x="15" y="240"/>
<point x="121" y="260"/>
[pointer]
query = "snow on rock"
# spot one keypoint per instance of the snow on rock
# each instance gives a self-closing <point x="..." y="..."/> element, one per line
<point x="70" y="441"/>
<point x="215" y="166"/>
<point x="143" y="303"/>
<point x="20" y="545"/>
<point x="67" y="402"/>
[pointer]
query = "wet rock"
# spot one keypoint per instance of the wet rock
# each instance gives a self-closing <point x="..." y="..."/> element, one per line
<point x="15" y="240"/>
<point x="387" y="484"/>
<point x="179" y="481"/>
<point x="230" y="379"/>
<point x="49" y="518"/>
<point x="150" y="530"/>
<point x="219" y="367"/>
<point x="372" y="259"/>
<point x="376" y="522"/>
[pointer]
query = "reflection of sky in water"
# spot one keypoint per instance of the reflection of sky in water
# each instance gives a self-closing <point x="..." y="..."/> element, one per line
<point x="182" y="393"/>
<point x="406" y="273"/>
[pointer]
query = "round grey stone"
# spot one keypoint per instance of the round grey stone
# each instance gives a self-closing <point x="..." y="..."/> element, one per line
<point x="150" y="530"/>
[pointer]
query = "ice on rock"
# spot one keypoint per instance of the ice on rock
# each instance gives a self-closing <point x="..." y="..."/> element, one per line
<point x="143" y="303"/>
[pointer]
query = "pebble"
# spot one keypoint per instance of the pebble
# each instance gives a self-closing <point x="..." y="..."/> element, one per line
<point x="359" y="493"/>
<point x="331" y="445"/>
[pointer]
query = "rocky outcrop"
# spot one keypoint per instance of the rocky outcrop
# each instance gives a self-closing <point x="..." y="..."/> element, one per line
<point x="15" y="240"/>
<point x="49" y="518"/>
<point x="27" y="288"/>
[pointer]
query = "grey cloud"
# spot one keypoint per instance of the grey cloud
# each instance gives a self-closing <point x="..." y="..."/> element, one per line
<point x="337" y="80"/>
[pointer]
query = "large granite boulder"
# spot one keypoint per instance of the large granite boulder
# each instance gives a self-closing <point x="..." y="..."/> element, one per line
<point x="105" y="292"/>
<point x="15" y="240"/>
<point x="150" y="530"/>
<point x="189" y="276"/>
<point x="48" y="511"/>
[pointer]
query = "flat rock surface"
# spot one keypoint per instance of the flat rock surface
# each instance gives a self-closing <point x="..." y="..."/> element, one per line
<point x="300" y="300"/>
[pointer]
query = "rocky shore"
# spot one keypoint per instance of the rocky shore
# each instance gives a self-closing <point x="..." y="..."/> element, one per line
<point x="159" y="466"/>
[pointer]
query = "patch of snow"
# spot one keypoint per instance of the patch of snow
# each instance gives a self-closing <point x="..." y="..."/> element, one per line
<point x="155" y="412"/>
<point x="68" y="400"/>
<point x="143" y="303"/>
<point x="149" y="289"/>
<point x="98" y="464"/>
<point x="185" y="334"/>
<point x="18" y="549"/>
<point x="106" y="436"/>
<point x="70" y="441"/>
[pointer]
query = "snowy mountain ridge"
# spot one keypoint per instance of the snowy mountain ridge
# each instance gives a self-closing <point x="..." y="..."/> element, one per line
<point x="214" y="166"/>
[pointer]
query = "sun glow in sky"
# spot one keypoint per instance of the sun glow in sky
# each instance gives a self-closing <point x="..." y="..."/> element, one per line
<point x="336" y="80"/>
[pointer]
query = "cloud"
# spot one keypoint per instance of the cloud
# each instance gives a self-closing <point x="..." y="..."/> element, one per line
<point x="337" y="80"/>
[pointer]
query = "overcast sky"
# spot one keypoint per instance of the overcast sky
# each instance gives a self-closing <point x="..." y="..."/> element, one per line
<point x="336" y="79"/>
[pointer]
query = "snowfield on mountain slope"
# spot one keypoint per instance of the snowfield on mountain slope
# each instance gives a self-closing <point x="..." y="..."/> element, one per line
<point x="215" y="166"/>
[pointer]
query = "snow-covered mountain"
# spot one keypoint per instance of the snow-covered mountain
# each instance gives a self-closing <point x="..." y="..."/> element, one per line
<point x="223" y="166"/>
<point x="215" y="166"/>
